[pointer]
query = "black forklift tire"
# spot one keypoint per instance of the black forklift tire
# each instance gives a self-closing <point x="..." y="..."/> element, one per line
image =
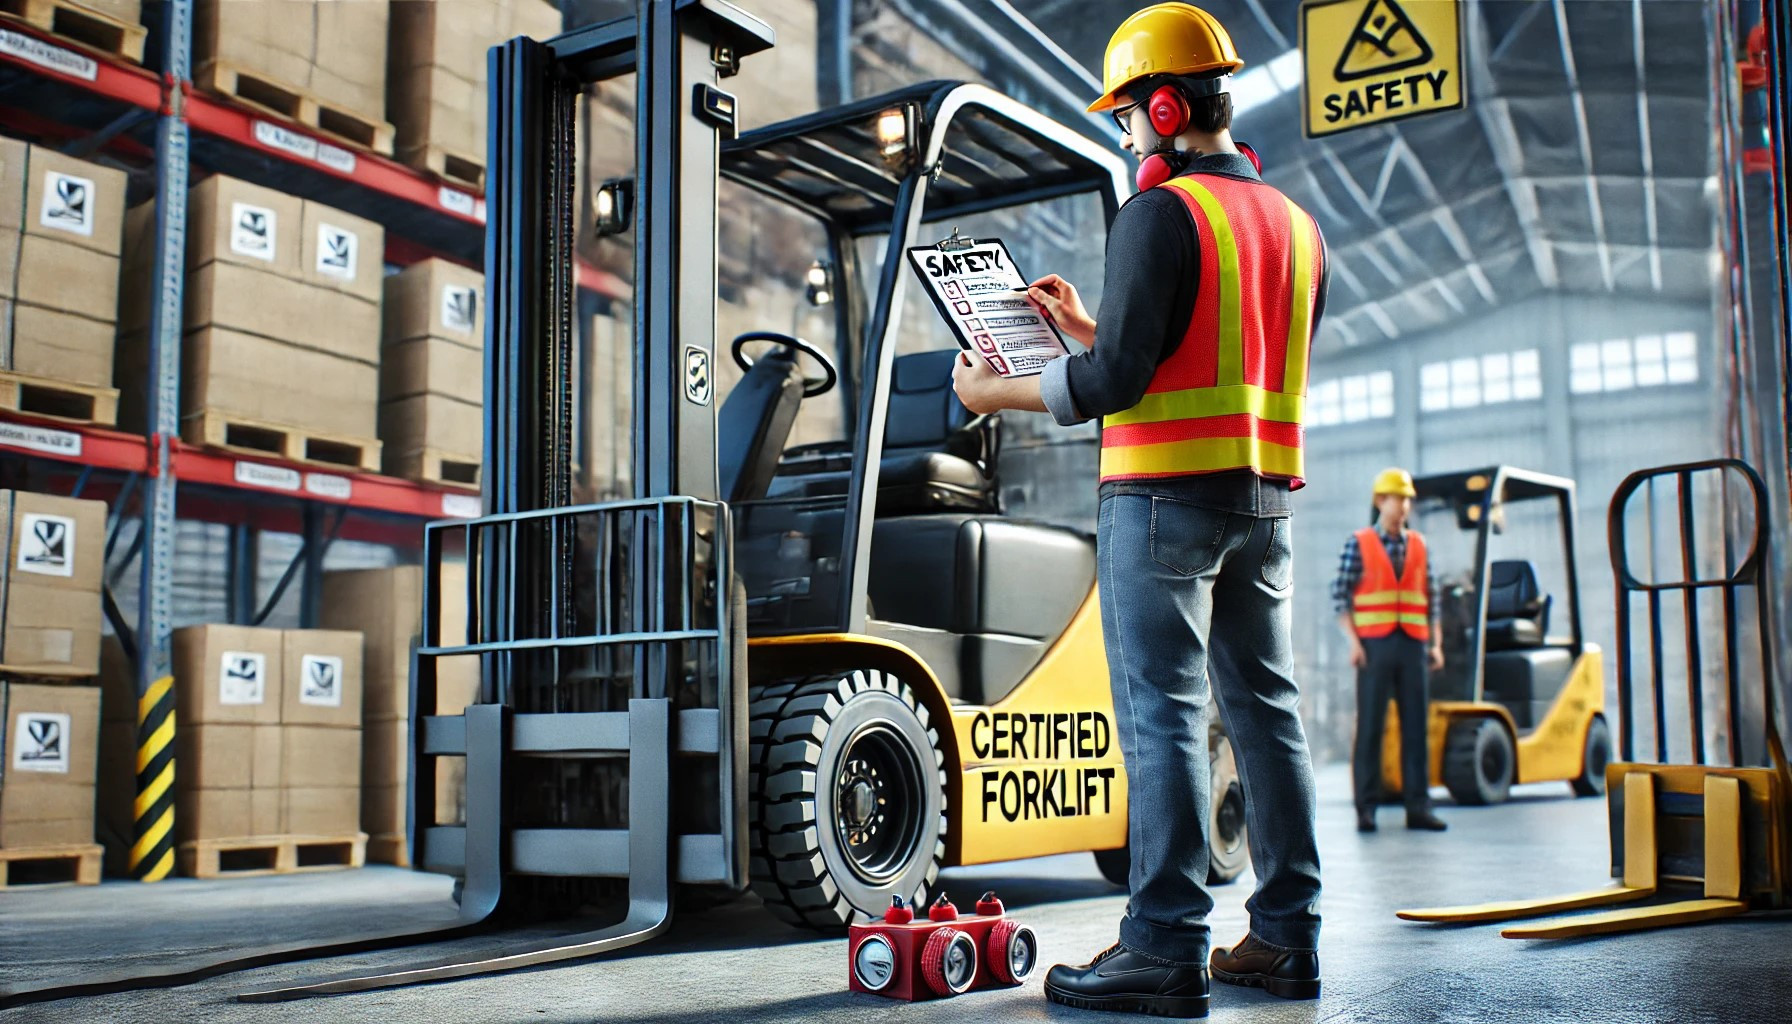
<point x="802" y="862"/>
<point x="1595" y="755"/>
<point x="1479" y="761"/>
<point x="1228" y="843"/>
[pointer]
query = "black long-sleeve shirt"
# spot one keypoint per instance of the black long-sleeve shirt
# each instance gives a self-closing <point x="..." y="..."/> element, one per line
<point x="1148" y="298"/>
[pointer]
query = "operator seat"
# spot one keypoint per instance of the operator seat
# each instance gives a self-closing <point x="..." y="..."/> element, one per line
<point x="1517" y="609"/>
<point x="938" y="457"/>
<point x="754" y="422"/>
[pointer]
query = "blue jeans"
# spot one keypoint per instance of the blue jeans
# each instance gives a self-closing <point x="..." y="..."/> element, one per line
<point x="1211" y="562"/>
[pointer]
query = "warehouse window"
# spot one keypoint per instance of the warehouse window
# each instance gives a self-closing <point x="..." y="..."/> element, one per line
<point x="1620" y="364"/>
<point x="1490" y="380"/>
<point x="1351" y="399"/>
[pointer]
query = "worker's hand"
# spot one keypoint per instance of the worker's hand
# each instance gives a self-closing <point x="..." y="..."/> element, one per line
<point x="1437" y="657"/>
<point x="1358" y="656"/>
<point x="980" y="388"/>
<point x="1058" y="300"/>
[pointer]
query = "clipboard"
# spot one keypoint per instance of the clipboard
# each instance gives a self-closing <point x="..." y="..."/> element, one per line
<point x="973" y="282"/>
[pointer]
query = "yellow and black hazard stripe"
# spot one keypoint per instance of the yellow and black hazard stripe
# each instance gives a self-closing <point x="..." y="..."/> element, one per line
<point x="152" y="854"/>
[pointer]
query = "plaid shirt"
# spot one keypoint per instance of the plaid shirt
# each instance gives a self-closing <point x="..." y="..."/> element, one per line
<point x="1350" y="572"/>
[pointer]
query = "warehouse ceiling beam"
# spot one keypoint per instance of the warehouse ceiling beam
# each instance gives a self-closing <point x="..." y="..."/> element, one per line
<point x="1583" y="133"/>
<point x="1495" y="117"/>
<point x="1645" y="143"/>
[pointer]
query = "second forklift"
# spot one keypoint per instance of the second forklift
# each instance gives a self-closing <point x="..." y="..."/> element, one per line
<point x="1521" y="697"/>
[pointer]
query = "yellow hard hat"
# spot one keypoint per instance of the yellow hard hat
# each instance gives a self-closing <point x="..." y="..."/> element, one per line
<point x="1395" y="481"/>
<point x="1164" y="39"/>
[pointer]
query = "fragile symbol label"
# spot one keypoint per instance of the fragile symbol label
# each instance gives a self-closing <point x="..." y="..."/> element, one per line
<point x="252" y="230"/>
<point x="68" y="203"/>
<point x="1371" y="61"/>
<point x="696" y="375"/>
<point x="460" y="308"/>
<point x="320" y="680"/>
<point x="242" y="677"/>
<point x="42" y="739"/>
<point x="337" y="250"/>
<point x="47" y="545"/>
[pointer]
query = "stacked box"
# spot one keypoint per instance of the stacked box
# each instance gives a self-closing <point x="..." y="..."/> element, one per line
<point x="61" y="231"/>
<point x="50" y="583"/>
<point x="436" y="82"/>
<point x="330" y="51"/>
<point x="281" y="312"/>
<point x="47" y="779"/>
<point x="387" y="605"/>
<point x="267" y="732"/>
<point x="432" y="371"/>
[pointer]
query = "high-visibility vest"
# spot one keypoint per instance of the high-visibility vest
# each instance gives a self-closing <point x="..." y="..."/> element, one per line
<point x="1384" y="602"/>
<point x="1232" y="396"/>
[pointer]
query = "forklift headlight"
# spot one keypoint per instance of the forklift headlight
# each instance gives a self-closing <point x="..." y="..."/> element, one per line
<point x="612" y="207"/>
<point x="874" y="963"/>
<point x="895" y="138"/>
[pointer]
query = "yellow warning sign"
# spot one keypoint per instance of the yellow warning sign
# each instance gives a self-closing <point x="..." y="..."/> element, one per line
<point x="1371" y="61"/>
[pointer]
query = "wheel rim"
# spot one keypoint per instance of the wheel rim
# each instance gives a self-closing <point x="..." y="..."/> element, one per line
<point x="1493" y="762"/>
<point x="877" y="796"/>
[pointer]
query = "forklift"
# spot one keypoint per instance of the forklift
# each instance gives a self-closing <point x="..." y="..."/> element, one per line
<point x="821" y="671"/>
<point x="1702" y="832"/>
<point x="1516" y="701"/>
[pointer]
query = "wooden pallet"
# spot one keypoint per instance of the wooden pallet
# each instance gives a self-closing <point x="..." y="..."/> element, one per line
<point x="448" y="165"/>
<point x="215" y="428"/>
<point x="433" y="466"/>
<point x="44" y="866"/>
<point x="389" y="848"/>
<point x="265" y="92"/>
<point x="58" y="399"/>
<point x="84" y="25"/>
<point x="251" y="856"/>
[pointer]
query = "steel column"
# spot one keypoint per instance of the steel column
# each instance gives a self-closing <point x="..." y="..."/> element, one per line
<point x="152" y="851"/>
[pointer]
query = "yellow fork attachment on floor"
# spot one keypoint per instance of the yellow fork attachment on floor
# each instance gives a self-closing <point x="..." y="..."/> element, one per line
<point x="1723" y="879"/>
<point x="1639" y="871"/>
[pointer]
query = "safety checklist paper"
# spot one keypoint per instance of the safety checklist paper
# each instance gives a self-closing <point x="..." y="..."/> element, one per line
<point x="980" y="294"/>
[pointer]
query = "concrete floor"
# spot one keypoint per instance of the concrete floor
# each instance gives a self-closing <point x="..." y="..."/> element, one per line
<point x="737" y="964"/>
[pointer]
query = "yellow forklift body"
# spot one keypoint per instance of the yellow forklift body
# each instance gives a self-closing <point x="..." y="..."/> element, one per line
<point x="1037" y="773"/>
<point x="1552" y="752"/>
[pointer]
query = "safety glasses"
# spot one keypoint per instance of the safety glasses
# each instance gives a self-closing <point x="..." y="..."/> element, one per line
<point x="1123" y="117"/>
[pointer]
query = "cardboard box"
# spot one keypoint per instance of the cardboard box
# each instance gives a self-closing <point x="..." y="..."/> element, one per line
<point x="57" y="345"/>
<point x="350" y="67"/>
<point x="228" y="813"/>
<point x="61" y="275"/>
<point x="323" y="678"/>
<point x="343" y="252"/>
<point x="52" y="762"/>
<point x="128" y="11"/>
<point x="322" y="811"/>
<point x="383" y="807"/>
<point x="235" y="222"/>
<point x="432" y="421"/>
<point x="437" y="106"/>
<point x="228" y="674"/>
<point x="51" y="580"/>
<point x="320" y="756"/>
<point x="46" y="194"/>
<point x="432" y="366"/>
<point x="254" y="301"/>
<point x="235" y="756"/>
<point x="274" y="41"/>
<point x="435" y="299"/>
<point x="10" y="238"/>
<point x="387" y="605"/>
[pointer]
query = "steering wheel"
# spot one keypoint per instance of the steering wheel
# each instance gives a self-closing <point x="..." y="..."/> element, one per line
<point x="812" y="386"/>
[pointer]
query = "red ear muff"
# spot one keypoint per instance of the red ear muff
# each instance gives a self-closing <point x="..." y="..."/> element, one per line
<point x="1251" y="155"/>
<point x="1168" y="112"/>
<point x="1158" y="168"/>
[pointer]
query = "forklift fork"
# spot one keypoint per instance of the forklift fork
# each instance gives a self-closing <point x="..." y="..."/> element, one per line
<point x="1738" y="858"/>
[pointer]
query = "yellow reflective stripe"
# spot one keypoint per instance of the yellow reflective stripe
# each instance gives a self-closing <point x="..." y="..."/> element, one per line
<point x="1415" y="620"/>
<point x="1378" y="597"/>
<point x="1294" y="372"/>
<point x="1374" y="618"/>
<point x="1231" y="353"/>
<point x="1201" y="455"/>
<point x="1195" y="403"/>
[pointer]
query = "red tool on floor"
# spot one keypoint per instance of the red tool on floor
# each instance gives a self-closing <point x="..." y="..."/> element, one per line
<point x="941" y="955"/>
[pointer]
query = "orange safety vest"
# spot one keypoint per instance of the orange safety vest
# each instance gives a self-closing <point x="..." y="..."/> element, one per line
<point x="1232" y="395"/>
<point x="1383" y="602"/>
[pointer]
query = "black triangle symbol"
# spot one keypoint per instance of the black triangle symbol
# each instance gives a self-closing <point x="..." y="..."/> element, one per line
<point x="1378" y="39"/>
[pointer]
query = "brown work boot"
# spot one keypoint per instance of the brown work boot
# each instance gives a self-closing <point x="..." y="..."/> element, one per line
<point x="1279" y="972"/>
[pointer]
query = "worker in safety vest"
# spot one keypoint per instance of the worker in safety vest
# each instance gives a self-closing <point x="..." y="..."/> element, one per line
<point x="1387" y="607"/>
<point x="1214" y="284"/>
